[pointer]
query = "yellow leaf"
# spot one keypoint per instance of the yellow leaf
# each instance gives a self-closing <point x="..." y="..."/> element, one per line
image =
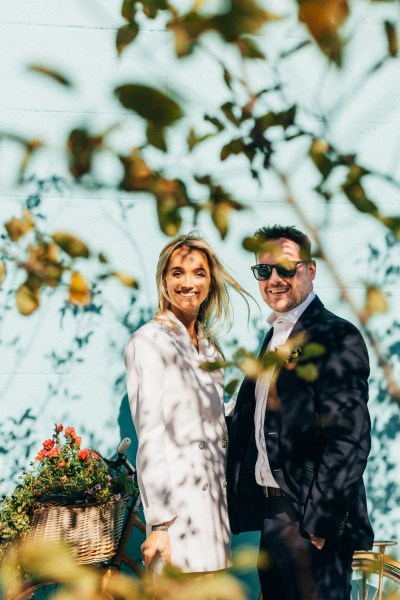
<point x="71" y="245"/>
<point x="16" y="228"/>
<point x="376" y="301"/>
<point x="2" y="272"/>
<point x="323" y="19"/>
<point x="250" y="367"/>
<point x="137" y="173"/>
<point x="79" y="292"/>
<point x="126" y="280"/>
<point x="27" y="299"/>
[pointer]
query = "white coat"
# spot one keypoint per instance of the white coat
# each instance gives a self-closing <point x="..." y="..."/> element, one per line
<point x="177" y="409"/>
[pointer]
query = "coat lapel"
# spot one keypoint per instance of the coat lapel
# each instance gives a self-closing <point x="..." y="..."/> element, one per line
<point x="209" y="381"/>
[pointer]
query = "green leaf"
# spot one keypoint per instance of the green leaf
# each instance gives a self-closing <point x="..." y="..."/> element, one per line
<point x="212" y="365"/>
<point x="149" y="103"/>
<point x="128" y="9"/>
<point x="214" y="121"/>
<point x="312" y="350"/>
<point x="248" y="49"/>
<point x="72" y="245"/>
<point x="228" y="78"/>
<point x="318" y="153"/>
<point x="155" y="136"/>
<point x="357" y="196"/>
<point x="193" y="140"/>
<point x="252" y="245"/>
<point x="233" y="147"/>
<point x="125" y="36"/>
<point x="271" y="119"/>
<point x="243" y="16"/>
<point x="392" y="223"/>
<point x="227" y="109"/>
<point x="220" y="205"/>
<point x="151" y="7"/>
<point x="392" y="38"/>
<point x="308" y="372"/>
<point x="232" y="386"/>
<point x="81" y="146"/>
<point x="54" y="75"/>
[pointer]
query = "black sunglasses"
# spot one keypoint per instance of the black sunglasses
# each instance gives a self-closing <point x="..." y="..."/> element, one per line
<point x="264" y="271"/>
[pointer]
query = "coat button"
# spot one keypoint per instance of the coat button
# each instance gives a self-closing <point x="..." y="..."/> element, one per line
<point x="224" y="443"/>
<point x="224" y="483"/>
<point x="205" y="487"/>
<point x="202" y="445"/>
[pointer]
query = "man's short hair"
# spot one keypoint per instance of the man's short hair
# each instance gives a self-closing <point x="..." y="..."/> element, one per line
<point x="275" y="232"/>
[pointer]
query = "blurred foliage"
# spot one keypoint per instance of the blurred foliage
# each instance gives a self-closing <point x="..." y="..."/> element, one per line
<point x="49" y="562"/>
<point x="49" y="260"/>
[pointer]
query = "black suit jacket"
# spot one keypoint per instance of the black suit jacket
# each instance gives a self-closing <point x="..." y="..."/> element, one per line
<point x="317" y="435"/>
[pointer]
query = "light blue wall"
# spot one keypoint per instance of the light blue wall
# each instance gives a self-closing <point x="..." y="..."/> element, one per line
<point x="42" y="368"/>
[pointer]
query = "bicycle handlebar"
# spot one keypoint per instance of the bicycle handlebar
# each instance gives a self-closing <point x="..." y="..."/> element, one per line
<point x="122" y="459"/>
<point x="124" y="445"/>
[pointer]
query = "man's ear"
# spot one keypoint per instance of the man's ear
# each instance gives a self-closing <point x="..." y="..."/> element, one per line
<point x="312" y="267"/>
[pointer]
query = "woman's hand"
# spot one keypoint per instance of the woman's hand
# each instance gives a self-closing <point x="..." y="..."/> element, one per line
<point x="157" y="544"/>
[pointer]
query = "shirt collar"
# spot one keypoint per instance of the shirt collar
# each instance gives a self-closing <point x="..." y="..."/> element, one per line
<point x="292" y="316"/>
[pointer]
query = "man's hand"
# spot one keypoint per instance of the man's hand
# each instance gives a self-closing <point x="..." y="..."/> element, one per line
<point x="157" y="544"/>
<point x="317" y="541"/>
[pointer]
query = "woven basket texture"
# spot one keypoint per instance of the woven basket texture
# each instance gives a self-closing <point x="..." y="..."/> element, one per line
<point x="92" y="532"/>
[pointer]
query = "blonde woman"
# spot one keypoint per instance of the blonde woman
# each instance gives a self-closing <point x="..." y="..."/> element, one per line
<point x="178" y="411"/>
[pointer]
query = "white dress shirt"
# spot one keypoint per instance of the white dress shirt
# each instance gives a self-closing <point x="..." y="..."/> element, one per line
<point x="282" y="324"/>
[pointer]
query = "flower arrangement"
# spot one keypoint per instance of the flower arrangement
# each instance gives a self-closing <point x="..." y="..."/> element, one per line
<point x="66" y="473"/>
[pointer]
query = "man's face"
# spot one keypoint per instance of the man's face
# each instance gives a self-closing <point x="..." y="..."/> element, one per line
<point x="283" y="294"/>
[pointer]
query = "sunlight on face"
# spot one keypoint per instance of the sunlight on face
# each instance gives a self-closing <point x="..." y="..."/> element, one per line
<point x="187" y="281"/>
<point x="284" y="294"/>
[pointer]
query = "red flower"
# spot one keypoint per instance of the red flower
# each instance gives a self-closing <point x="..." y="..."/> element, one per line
<point x="61" y="463"/>
<point x="54" y="453"/>
<point x="48" y="444"/>
<point x="41" y="454"/>
<point x="71" y="433"/>
<point x="84" y="454"/>
<point x="59" y="428"/>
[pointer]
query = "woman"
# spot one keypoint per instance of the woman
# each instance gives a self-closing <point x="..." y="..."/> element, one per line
<point x="178" y="411"/>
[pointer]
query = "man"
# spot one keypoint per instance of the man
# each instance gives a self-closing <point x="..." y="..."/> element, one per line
<point x="300" y="434"/>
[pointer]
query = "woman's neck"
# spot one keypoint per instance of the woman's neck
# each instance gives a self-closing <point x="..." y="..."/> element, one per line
<point x="189" y="321"/>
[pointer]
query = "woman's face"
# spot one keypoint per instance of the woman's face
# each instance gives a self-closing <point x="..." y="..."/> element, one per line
<point x="187" y="280"/>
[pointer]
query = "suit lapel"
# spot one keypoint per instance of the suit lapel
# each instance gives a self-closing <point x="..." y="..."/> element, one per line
<point x="307" y="318"/>
<point x="208" y="381"/>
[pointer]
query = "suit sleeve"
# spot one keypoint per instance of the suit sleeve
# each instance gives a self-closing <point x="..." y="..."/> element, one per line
<point x="341" y="393"/>
<point x="145" y="383"/>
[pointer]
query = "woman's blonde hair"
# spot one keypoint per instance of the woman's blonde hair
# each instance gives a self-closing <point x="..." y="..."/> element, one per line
<point x="216" y="310"/>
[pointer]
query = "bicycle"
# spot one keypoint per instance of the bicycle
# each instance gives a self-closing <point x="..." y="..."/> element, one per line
<point x="375" y="574"/>
<point x="34" y="589"/>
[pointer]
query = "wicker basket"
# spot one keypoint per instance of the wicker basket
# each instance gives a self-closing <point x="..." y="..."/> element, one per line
<point x="92" y="531"/>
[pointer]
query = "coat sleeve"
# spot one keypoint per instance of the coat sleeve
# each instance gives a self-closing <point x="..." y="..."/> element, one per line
<point x="341" y="395"/>
<point x="146" y="374"/>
